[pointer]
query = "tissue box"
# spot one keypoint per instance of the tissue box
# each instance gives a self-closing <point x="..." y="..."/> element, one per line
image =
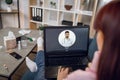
<point x="11" y="44"/>
<point x="10" y="41"/>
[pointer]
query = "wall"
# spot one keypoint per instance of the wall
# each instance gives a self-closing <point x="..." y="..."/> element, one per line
<point x="10" y="20"/>
<point x="24" y="13"/>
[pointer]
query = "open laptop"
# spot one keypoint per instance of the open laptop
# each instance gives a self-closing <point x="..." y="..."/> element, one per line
<point x="65" y="45"/>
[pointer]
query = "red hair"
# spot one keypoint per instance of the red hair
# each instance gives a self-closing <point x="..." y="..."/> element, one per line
<point x="108" y="21"/>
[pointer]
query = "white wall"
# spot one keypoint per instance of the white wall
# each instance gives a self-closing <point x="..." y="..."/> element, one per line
<point x="24" y="13"/>
<point x="11" y="20"/>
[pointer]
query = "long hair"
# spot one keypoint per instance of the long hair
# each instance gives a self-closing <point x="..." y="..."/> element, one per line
<point x="108" y="21"/>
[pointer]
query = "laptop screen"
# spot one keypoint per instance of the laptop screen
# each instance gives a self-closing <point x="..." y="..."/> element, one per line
<point x="66" y="40"/>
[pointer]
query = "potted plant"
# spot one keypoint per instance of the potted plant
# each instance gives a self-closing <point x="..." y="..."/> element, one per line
<point x="9" y="2"/>
<point x="53" y="4"/>
<point x="41" y="28"/>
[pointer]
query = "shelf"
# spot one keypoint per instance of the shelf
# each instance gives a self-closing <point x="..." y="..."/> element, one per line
<point x="51" y="17"/>
<point x="51" y="9"/>
<point x="68" y="18"/>
<point x="33" y="6"/>
<point x="14" y="13"/>
<point x="51" y="23"/>
<point x="84" y="19"/>
<point x="87" y="13"/>
<point x="5" y="12"/>
<point x="48" y="4"/>
<point x="67" y="11"/>
<point x="38" y="22"/>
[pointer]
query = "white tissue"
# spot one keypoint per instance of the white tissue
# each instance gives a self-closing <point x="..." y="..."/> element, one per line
<point x="10" y="36"/>
<point x="23" y="32"/>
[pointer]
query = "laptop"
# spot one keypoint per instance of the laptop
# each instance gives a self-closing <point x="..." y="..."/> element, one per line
<point x="65" y="45"/>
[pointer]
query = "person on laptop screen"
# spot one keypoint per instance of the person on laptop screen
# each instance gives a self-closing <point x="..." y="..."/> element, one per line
<point x="66" y="38"/>
<point x="67" y="41"/>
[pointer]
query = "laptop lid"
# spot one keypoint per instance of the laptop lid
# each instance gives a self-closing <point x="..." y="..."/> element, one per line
<point x="66" y="41"/>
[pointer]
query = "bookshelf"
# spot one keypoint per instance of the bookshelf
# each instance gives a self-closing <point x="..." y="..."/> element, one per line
<point x="60" y="13"/>
<point x="13" y="12"/>
<point x="5" y="12"/>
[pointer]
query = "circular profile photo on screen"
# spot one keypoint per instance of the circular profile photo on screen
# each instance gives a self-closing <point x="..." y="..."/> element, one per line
<point x="67" y="38"/>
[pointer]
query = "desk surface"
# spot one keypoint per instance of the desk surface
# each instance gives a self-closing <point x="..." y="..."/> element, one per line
<point x="6" y="58"/>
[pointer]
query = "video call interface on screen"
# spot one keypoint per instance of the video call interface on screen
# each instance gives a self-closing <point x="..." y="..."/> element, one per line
<point x="65" y="40"/>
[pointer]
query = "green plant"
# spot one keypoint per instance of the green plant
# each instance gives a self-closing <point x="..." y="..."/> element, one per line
<point x="41" y="27"/>
<point x="53" y="3"/>
<point x="9" y="2"/>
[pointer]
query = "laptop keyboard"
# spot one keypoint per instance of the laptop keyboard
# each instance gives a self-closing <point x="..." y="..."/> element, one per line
<point x="67" y="61"/>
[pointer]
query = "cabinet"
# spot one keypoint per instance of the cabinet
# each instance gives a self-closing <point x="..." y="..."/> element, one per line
<point x="13" y="12"/>
<point x="62" y="12"/>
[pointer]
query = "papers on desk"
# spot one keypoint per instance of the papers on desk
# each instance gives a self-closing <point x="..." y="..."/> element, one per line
<point x="23" y="32"/>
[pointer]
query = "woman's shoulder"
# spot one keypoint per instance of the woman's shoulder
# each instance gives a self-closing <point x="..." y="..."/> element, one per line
<point x="81" y="75"/>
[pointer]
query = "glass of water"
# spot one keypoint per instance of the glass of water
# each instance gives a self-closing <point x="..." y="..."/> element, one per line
<point x="24" y="41"/>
